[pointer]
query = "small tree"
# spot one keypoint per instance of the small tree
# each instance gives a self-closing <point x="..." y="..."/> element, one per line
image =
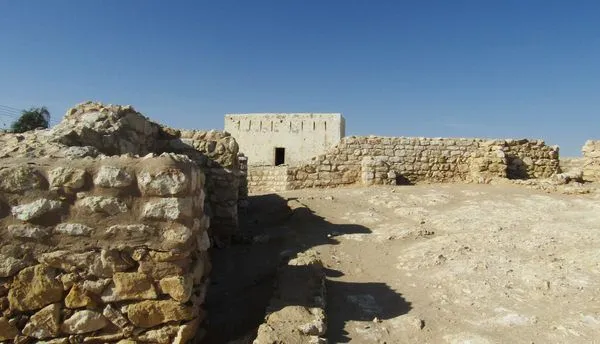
<point x="31" y="119"/>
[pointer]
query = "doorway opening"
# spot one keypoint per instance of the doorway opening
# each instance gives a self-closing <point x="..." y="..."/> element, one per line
<point x="279" y="156"/>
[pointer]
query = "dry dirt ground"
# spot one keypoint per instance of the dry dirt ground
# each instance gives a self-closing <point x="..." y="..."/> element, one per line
<point x="448" y="263"/>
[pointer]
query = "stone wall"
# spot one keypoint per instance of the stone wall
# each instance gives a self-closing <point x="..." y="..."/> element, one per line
<point x="217" y="154"/>
<point x="93" y="129"/>
<point x="102" y="250"/>
<point x="269" y="178"/>
<point x="407" y="160"/>
<point x="591" y="160"/>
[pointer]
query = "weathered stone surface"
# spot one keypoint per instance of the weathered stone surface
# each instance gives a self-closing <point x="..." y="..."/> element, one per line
<point x="168" y="209"/>
<point x="97" y="286"/>
<point x="70" y="261"/>
<point x="161" y="335"/>
<point x="133" y="229"/>
<point x="20" y="179"/>
<point x="179" y="288"/>
<point x="35" y="287"/>
<point x="9" y="265"/>
<point x="186" y="332"/>
<point x="45" y="323"/>
<point x="8" y="331"/>
<point x="35" y="209"/>
<point x="171" y="182"/>
<point x="74" y="229"/>
<point x="160" y="270"/>
<point x="115" y="261"/>
<point x="28" y="231"/>
<point x="130" y="286"/>
<point x="176" y="236"/>
<point x="103" y="204"/>
<point x="115" y="317"/>
<point x="83" y="322"/>
<point x="113" y="177"/>
<point x="151" y="313"/>
<point x="78" y="297"/>
<point x="67" y="178"/>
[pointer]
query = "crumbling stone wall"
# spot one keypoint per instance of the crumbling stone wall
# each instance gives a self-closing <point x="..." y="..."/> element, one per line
<point x="99" y="250"/>
<point x="591" y="160"/>
<point x="405" y="160"/>
<point x="217" y="154"/>
<point x="92" y="129"/>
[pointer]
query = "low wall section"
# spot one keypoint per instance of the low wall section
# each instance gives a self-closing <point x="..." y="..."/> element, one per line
<point x="404" y="160"/>
<point x="102" y="250"/>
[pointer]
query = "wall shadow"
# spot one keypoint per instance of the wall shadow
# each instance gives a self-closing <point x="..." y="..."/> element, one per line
<point x="251" y="277"/>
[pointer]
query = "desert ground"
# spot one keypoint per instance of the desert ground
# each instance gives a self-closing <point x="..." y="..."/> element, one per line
<point x="444" y="263"/>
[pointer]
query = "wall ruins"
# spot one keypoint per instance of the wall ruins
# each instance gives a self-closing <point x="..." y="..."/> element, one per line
<point x="104" y="226"/>
<point x="102" y="250"/>
<point x="591" y="160"/>
<point x="405" y="160"/>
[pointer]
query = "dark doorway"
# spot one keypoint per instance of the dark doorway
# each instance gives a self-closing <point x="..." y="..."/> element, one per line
<point x="279" y="156"/>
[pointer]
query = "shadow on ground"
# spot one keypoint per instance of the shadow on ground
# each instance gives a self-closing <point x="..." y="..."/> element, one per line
<point x="244" y="274"/>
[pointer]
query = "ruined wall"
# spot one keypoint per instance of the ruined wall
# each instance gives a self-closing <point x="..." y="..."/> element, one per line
<point x="92" y="129"/>
<point x="217" y="154"/>
<point x="100" y="250"/>
<point x="591" y="160"/>
<point x="301" y="135"/>
<point x="405" y="160"/>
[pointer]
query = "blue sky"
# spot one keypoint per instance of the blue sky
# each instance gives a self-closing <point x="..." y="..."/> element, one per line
<point x="503" y="68"/>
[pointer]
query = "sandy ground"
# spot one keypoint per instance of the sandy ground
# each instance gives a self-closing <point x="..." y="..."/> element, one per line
<point x="428" y="264"/>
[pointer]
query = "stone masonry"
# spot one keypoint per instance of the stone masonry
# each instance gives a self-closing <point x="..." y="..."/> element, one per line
<point x="93" y="129"/>
<point x="406" y="160"/>
<point x="102" y="250"/>
<point x="105" y="222"/>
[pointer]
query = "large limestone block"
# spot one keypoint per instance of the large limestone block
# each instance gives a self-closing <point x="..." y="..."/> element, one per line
<point x="67" y="178"/>
<point x="20" y="179"/>
<point x="83" y="322"/>
<point x="179" y="288"/>
<point x="35" y="209"/>
<point x="168" y="209"/>
<point x="152" y="313"/>
<point x="113" y="177"/>
<point x="78" y="297"/>
<point x="170" y="182"/>
<point x="28" y="231"/>
<point x="35" y="287"/>
<point x="130" y="286"/>
<point x="73" y="229"/>
<point x="103" y="204"/>
<point x="45" y="323"/>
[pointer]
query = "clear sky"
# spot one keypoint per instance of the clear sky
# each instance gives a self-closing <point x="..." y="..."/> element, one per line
<point x="481" y="68"/>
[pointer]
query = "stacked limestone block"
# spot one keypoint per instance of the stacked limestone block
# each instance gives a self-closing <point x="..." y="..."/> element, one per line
<point x="591" y="160"/>
<point x="217" y="154"/>
<point x="106" y="250"/>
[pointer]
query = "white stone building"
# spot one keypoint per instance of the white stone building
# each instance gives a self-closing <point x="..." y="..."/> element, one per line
<point x="271" y="139"/>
